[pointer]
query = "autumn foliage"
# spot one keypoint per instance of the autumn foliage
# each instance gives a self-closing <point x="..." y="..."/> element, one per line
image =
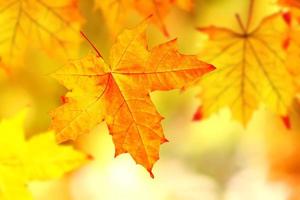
<point x="249" y="65"/>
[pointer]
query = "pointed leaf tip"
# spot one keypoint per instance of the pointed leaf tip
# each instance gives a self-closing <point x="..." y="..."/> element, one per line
<point x="166" y="32"/>
<point x="211" y="67"/>
<point x="287" y="17"/>
<point x="286" y="43"/>
<point x="164" y="140"/>
<point x="286" y="121"/>
<point x="116" y="154"/>
<point x="198" y="114"/>
<point x="64" y="99"/>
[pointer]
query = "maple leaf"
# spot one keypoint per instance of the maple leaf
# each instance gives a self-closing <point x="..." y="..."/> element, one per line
<point x="44" y="24"/>
<point x="38" y="158"/>
<point x="250" y="67"/>
<point x="118" y="93"/>
<point x="114" y="11"/>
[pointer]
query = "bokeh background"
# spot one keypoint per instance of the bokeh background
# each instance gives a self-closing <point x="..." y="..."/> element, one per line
<point x="211" y="159"/>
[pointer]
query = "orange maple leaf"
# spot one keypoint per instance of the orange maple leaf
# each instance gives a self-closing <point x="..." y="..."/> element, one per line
<point x="115" y="11"/>
<point x="118" y="93"/>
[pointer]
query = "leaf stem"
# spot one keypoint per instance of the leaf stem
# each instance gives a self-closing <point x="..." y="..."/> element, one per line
<point x="250" y="14"/>
<point x="92" y="45"/>
<point x="238" y="17"/>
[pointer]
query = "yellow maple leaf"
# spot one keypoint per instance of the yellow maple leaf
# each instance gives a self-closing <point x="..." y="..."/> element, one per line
<point x="43" y="24"/>
<point x="38" y="158"/>
<point x="250" y="71"/>
<point x="118" y="93"/>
